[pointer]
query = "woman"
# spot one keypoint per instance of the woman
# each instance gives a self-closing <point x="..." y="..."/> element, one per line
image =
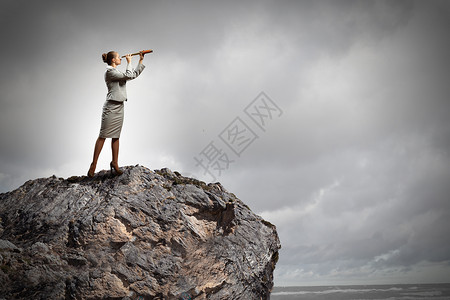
<point x="112" y="115"/>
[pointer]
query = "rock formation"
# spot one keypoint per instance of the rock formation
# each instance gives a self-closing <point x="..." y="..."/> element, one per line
<point x="142" y="235"/>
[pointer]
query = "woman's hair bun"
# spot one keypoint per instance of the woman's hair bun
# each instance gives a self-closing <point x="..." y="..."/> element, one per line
<point x="108" y="57"/>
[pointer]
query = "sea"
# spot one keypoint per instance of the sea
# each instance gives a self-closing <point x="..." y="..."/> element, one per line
<point x="360" y="292"/>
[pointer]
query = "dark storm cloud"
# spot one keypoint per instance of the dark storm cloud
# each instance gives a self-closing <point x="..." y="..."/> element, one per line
<point x="353" y="173"/>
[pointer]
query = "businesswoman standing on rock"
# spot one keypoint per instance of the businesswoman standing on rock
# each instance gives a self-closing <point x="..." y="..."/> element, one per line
<point x="112" y="115"/>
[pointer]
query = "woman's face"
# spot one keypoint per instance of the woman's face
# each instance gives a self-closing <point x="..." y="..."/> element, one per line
<point x="117" y="60"/>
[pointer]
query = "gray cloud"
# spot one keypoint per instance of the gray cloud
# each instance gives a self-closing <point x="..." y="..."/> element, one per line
<point x="353" y="173"/>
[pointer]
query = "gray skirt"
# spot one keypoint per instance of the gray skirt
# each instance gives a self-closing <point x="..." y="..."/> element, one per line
<point x="112" y="119"/>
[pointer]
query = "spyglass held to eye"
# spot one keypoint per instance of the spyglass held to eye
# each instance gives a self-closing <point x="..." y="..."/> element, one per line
<point x="137" y="53"/>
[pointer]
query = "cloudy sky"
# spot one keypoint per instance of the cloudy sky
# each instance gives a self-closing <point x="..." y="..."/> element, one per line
<point x="352" y="162"/>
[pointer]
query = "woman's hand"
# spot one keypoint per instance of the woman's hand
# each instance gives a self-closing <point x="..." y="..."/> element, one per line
<point x="128" y="57"/>
<point x="141" y="56"/>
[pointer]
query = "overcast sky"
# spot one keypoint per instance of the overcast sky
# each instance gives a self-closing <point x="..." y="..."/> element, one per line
<point x="352" y="162"/>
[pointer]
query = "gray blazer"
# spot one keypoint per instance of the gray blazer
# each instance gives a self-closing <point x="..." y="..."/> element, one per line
<point x="116" y="81"/>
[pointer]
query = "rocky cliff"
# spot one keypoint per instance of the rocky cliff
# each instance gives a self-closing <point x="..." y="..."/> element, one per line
<point x="142" y="235"/>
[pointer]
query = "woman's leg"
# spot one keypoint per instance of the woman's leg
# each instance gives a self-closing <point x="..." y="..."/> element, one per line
<point x="97" y="149"/>
<point x="115" y="156"/>
<point x="115" y="151"/>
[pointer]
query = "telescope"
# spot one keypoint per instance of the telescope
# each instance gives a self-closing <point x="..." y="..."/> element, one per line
<point x="137" y="53"/>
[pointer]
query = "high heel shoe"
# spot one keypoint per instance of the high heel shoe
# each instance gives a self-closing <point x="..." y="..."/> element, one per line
<point x="116" y="168"/>
<point x="91" y="171"/>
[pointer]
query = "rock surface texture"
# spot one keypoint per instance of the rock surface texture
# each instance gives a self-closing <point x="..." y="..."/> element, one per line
<point x="142" y="235"/>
